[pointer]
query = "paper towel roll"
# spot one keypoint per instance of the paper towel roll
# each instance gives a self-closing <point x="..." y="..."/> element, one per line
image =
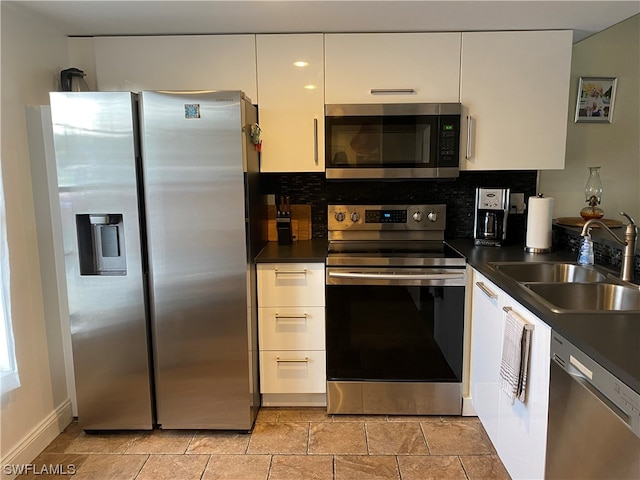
<point x="539" y="217"/>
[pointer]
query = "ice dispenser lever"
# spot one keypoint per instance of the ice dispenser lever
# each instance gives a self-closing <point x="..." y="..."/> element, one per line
<point x="101" y="244"/>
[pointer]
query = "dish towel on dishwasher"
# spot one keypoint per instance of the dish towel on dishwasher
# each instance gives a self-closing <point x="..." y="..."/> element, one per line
<point x="516" y="348"/>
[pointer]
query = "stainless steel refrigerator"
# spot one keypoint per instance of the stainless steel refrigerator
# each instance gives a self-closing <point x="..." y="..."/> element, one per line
<point x="162" y="217"/>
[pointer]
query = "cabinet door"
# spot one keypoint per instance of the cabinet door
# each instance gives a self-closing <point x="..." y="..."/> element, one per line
<point x="486" y="352"/>
<point x="514" y="87"/>
<point x="360" y="67"/>
<point x="291" y="284"/>
<point x="291" y="90"/>
<point x="523" y="426"/>
<point x="193" y="62"/>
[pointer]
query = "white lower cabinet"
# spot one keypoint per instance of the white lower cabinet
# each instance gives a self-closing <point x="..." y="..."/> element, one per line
<point x="486" y="349"/>
<point x="519" y="430"/>
<point x="291" y="334"/>
<point x="292" y="328"/>
<point x="292" y="371"/>
<point x="523" y="426"/>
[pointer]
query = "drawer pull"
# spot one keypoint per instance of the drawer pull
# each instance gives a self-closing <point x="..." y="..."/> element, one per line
<point x="291" y="272"/>
<point x="392" y="91"/>
<point x="486" y="290"/>
<point x="292" y="360"/>
<point x="278" y="316"/>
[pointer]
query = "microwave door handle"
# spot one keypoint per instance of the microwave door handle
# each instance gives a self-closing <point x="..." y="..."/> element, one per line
<point x="469" y="137"/>
<point x="315" y="140"/>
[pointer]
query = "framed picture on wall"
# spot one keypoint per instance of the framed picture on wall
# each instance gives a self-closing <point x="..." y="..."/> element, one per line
<point x="596" y="96"/>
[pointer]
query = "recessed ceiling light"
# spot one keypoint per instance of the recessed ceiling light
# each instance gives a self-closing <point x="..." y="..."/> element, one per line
<point x="301" y="63"/>
<point x="310" y="87"/>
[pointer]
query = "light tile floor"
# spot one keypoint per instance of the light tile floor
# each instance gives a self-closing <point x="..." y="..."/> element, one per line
<point x="286" y="444"/>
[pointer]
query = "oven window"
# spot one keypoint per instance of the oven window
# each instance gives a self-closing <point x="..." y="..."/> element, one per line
<point x="379" y="141"/>
<point x="394" y="333"/>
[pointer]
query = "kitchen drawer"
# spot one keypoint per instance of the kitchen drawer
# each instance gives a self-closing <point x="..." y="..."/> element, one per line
<point x="291" y="328"/>
<point x="292" y="371"/>
<point x="291" y="284"/>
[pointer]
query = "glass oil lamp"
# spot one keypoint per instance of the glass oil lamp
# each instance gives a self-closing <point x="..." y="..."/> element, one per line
<point x="593" y="195"/>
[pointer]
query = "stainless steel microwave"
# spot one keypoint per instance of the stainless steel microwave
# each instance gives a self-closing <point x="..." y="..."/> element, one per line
<point x="393" y="141"/>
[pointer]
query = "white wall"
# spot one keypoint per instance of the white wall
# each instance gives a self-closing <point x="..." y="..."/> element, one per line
<point x="31" y="416"/>
<point x="614" y="52"/>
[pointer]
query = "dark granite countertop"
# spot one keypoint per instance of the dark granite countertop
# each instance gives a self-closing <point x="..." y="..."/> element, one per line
<point x="611" y="339"/>
<point x="302" y="251"/>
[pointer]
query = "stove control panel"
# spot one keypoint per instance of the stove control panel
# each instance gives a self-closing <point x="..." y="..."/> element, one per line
<point x="387" y="217"/>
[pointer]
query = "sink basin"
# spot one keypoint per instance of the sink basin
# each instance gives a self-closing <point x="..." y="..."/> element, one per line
<point x="594" y="297"/>
<point x="549" y="272"/>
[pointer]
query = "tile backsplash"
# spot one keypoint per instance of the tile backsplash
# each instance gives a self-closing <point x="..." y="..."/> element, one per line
<point x="458" y="194"/>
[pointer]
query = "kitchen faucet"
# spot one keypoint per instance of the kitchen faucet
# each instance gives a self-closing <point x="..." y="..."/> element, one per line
<point x="629" y="243"/>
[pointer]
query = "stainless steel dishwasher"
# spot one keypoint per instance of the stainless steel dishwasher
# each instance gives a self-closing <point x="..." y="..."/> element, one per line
<point x="594" y="419"/>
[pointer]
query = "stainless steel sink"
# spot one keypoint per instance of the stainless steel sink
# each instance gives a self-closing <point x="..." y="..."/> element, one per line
<point x="592" y="297"/>
<point x="549" y="272"/>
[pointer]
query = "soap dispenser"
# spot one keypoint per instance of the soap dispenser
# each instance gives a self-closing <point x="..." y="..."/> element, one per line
<point x="585" y="256"/>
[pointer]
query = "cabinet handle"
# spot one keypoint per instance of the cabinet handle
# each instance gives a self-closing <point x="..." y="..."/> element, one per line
<point x="292" y="360"/>
<point x="486" y="291"/>
<point x="304" y="316"/>
<point x="510" y="310"/>
<point x="392" y="91"/>
<point x="398" y="276"/>
<point x="291" y="272"/>
<point x="469" y="136"/>
<point x="315" y="140"/>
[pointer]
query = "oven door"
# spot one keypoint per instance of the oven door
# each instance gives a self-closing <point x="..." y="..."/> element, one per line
<point x="394" y="340"/>
<point x="400" y="142"/>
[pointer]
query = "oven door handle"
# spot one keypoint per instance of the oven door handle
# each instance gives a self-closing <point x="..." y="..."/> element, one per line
<point x="398" y="276"/>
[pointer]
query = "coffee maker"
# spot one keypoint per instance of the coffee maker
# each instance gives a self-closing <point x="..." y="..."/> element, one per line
<point x="492" y="209"/>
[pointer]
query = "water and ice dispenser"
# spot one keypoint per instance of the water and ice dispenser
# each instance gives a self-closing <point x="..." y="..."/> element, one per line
<point x="101" y="244"/>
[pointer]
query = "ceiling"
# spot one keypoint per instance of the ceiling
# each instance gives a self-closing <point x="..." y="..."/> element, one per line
<point x="150" y="17"/>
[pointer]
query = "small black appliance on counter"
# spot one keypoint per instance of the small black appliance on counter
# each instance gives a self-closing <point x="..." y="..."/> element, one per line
<point x="492" y="210"/>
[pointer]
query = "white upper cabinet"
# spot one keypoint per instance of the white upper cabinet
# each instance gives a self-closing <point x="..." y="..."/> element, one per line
<point x="392" y="67"/>
<point x="291" y="103"/>
<point x="194" y="62"/>
<point x="514" y="88"/>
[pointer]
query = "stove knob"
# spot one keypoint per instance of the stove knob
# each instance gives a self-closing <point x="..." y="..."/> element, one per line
<point x="339" y="216"/>
<point x="417" y="216"/>
<point x="355" y="216"/>
<point x="433" y="216"/>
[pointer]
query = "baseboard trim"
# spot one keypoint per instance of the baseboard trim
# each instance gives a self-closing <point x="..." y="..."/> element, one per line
<point x="467" y="408"/>
<point x="294" y="399"/>
<point x="38" y="438"/>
